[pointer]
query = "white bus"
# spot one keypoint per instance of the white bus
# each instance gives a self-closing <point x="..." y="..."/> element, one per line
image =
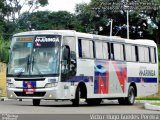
<point x="69" y="65"/>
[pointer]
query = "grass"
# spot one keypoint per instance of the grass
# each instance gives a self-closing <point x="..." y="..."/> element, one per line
<point x="157" y="104"/>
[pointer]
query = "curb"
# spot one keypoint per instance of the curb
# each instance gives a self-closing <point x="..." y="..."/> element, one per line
<point x="3" y="98"/>
<point x="148" y="106"/>
<point x="147" y="101"/>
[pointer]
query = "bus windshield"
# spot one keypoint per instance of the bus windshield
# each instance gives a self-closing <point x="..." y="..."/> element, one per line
<point x="34" y="55"/>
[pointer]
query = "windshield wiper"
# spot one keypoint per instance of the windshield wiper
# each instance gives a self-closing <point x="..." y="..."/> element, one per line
<point x="28" y="62"/>
<point x="22" y="69"/>
<point x="39" y="72"/>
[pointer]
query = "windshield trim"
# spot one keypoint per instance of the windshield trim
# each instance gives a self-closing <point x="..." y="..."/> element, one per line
<point x="34" y="37"/>
<point x="28" y="76"/>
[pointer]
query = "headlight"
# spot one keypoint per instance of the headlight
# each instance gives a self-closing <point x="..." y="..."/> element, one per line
<point x="9" y="80"/>
<point x="11" y="85"/>
<point x="49" y="85"/>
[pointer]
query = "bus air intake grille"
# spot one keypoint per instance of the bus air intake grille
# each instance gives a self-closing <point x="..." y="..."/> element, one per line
<point x="35" y="94"/>
<point x="23" y="79"/>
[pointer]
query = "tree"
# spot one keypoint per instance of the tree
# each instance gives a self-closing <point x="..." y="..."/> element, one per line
<point x="45" y="20"/>
<point x="96" y="15"/>
<point x="97" y="19"/>
<point x="13" y="8"/>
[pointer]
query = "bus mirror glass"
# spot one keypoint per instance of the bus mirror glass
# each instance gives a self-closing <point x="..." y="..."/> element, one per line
<point x="66" y="53"/>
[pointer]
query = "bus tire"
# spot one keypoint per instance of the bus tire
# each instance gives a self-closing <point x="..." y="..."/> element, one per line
<point x="130" y="99"/>
<point x="131" y="96"/>
<point x="94" y="101"/>
<point x="75" y="102"/>
<point x="36" y="102"/>
<point x="122" y="101"/>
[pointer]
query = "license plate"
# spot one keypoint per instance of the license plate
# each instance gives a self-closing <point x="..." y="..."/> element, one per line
<point x="29" y="93"/>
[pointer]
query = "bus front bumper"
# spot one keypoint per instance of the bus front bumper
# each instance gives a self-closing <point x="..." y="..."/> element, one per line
<point x="45" y="93"/>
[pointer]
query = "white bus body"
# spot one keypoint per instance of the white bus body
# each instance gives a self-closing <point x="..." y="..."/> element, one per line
<point x="87" y="66"/>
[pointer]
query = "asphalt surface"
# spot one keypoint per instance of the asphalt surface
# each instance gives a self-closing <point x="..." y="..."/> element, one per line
<point x="65" y="107"/>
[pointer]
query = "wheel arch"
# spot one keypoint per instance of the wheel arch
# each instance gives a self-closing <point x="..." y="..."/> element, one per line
<point x="83" y="89"/>
<point x="133" y="84"/>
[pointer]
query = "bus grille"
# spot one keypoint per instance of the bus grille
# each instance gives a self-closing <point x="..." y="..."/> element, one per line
<point x="35" y="94"/>
<point x="22" y="79"/>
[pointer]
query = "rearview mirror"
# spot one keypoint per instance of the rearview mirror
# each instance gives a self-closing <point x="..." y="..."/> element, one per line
<point x="66" y="53"/>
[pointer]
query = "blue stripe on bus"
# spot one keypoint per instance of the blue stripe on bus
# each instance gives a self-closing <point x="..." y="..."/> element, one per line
<point x="141" y="79"/>
<point x="81" y="78"/>
<point x="130" y="79"/>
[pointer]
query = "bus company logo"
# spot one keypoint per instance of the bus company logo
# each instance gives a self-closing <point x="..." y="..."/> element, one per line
<point x="146" y="72"/>
<point x="101" y="78"/>
<point x="28" y="84"/>
<point x="121" y="71"/>
<point x="29" y="87"/>
<point x="45" y="39"/>
<point x="101" y="84"/>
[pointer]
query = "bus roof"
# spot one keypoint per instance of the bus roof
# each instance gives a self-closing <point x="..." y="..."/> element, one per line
<point x="47" y="32"/>
<point x="88" y="36"/>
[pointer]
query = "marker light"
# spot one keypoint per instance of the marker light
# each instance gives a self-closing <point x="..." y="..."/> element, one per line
<point x="25" y="39"/>
<point x="11" y="85"/>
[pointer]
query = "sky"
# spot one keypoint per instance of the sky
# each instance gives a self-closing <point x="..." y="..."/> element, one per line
<point x="66" y="5"/>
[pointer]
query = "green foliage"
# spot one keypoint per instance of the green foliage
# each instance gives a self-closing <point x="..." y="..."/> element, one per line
<point x="45" y="20"/>
<point x="157" y="104"/>
<point x="4" y="45"/>
<point x="159" y="60"/>
<point x="95" y="15"/>
<point x="10" y="9"/>
<point x="148" y="98"/>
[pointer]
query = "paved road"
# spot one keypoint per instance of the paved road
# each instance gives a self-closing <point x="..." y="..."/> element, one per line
<point x="52" y="107"/>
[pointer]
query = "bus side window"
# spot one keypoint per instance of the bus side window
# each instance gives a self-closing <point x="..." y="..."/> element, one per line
<point x="106" y="51"/>
<point x="124" y="52"/>
<point x="68" y="69"/>
<point x="80" y="47"/>
<point x="153" y="55"/>
<point x="111" y="51"/>
<point x="149" y="55"/>
<point x="99" y="50"/>
<point x="136" y="52"/>
<point x="85" y="48"/>
<point x="118" y="52"/>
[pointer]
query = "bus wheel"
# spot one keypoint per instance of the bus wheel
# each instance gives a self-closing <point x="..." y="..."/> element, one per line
<point x="36" y="102"/>
<point x="131" y="96"/>
<point x="94" y="101"/>
<point x="130" y="99"/>
<point x="75" y="102"/>
<point x="122" y="101"/>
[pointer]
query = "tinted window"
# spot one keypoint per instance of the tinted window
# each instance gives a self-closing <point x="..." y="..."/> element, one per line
<point x="106" y="50"/>
<point x="85" y="48"/>
<point x="128" y="49"/>
<point x="143" y="54"/>
<point x="70" y="41"/>
<point x="130" y="53"/>
<point x="99" y="50"/>
<point x="153" y="55"/>
<point x="118" y="52"/>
